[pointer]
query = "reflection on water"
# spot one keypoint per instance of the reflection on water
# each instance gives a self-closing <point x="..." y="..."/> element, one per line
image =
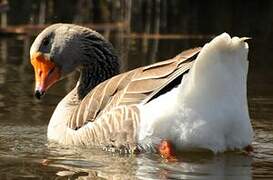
<point x="24" y="152"/>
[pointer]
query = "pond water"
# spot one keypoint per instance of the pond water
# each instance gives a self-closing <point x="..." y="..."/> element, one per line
<point x="25" y="153"/>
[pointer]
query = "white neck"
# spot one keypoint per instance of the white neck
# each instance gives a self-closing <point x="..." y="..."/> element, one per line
<point x="57" y="128"/>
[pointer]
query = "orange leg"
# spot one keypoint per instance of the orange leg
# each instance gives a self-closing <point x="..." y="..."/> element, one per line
<point x="166" y="150"/>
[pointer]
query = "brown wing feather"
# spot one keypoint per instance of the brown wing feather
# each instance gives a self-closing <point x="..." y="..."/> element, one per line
<point x="133" y="87"/>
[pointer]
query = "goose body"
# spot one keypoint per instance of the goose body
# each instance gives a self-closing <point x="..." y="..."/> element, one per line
<point x="197" y="100"/>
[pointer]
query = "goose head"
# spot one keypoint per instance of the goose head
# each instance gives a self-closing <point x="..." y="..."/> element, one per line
<point x="63" y="48"/>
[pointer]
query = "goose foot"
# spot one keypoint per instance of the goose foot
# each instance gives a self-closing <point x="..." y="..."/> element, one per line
<point x="166" y="150"/>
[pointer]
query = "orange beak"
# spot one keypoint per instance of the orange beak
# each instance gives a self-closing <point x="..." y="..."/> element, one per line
<point x="46" y="73"/>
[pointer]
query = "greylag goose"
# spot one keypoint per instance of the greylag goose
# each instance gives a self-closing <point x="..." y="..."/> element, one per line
<point x="196" y="100"/>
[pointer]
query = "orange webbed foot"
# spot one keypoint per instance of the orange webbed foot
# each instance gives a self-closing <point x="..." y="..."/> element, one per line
<point x="166" y="150"/>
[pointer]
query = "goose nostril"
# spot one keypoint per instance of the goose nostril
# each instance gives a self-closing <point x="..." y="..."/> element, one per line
<point x="40" y="72"/>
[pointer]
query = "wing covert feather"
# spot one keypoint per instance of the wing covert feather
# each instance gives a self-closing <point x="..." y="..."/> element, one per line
<point x="133" y="87"/>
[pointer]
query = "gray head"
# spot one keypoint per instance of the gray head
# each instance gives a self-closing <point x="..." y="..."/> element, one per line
<point x="62" y="48"/>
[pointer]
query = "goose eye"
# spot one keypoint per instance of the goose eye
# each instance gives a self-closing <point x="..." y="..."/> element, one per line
<point x="46" y="42"/>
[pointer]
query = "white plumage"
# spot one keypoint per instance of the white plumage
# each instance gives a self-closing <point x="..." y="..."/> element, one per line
<point x="208" y="110"/>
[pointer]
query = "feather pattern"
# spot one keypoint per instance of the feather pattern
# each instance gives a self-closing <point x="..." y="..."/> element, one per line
<point x="109" y="113"/>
